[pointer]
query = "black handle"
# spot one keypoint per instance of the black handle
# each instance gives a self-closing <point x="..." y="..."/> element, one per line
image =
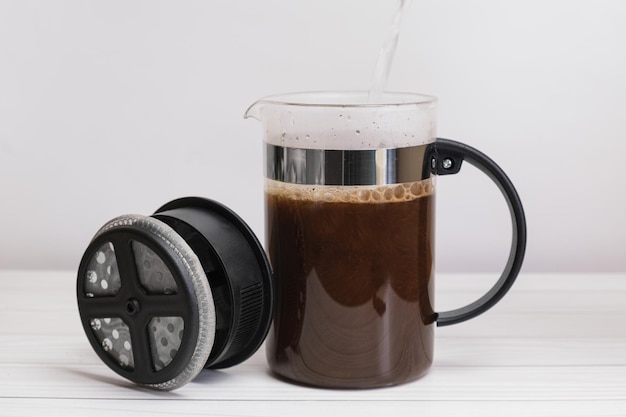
<point x="446" y="158"/>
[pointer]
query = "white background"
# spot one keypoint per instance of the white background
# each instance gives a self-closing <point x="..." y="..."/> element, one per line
<point x="113" y="107"/>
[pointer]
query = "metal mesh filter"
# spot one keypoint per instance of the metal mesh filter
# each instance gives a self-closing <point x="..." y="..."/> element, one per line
<point x="154" y="275"/>
<point x="114" y="336"/>
<point x="140" y="288"/>
<point x="166" y="334"/>
<point x="102" y="277"/>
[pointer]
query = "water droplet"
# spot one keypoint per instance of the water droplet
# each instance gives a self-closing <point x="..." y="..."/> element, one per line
<point x="127" y="345"/>
<point x="96" y="324"/>
<point x="104" y="284"/>
<point x="115" y="333"/>
<point x="89" y="295"/>
<point x="100" y="257"/>
<point x="341" y="116"/>
<point x="107" y="345"/>
<point x="92" y="276"/>
<point x="123" y="360"/>
<point x="164" y="341"/>
<point x="107" y="320"/>
<point x="358" y="132"/>
<point x="307" y="137"/>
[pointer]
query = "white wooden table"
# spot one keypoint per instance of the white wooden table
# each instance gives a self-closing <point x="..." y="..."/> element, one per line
<point x="555" y="346"/>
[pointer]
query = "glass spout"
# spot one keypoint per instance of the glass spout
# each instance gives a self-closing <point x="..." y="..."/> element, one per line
<point x="254" y="110"/>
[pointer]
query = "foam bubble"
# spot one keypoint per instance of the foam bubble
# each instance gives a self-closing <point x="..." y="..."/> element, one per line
<point x="375" y="194"/>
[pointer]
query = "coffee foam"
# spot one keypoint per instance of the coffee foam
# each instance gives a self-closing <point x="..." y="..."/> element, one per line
<point x="391" y="193"/>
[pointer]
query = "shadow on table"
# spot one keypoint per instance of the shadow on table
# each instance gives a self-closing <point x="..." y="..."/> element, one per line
<point x="211" y="377"/>
<point x="122" y="383"/>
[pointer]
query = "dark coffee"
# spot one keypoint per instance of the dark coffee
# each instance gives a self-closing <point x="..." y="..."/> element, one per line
<point x="354" y="272"/>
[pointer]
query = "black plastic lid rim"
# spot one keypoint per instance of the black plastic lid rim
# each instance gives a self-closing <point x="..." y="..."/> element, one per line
<point x="260" y="256"/>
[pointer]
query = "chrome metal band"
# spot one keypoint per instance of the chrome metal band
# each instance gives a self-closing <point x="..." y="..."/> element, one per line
<point x="356" y="167"/>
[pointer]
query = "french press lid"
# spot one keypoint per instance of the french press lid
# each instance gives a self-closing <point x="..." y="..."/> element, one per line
<point x="161" y="297"/>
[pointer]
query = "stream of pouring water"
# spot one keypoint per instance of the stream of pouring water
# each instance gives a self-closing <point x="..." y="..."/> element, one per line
<point x="387" y="52"/>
